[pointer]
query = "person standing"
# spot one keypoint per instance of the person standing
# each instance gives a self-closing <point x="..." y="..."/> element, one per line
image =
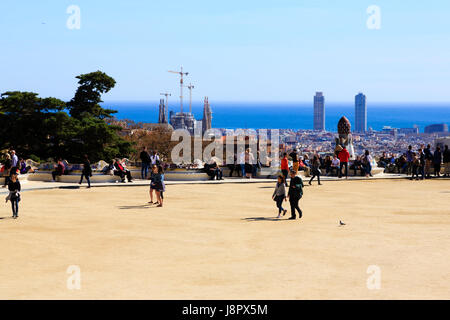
<point x="145" y="162"/>
<point x="415" y="167"/>
<point x="315" y="169"/>
<point x="446" y="159"/>
<point x="154" y="159"/>
<point x="242" y="163"/>
<point x="249" y="161"/>
<point x="344" y="156"/>
<point x="422" y="161"/>
<point x="428" y="161"/>
<point x="7" y="169"/>
<point x="87" y="171"/>
<point x="295" y="163"/>
<point x="279" y="195"/>
<point x="368" y="163"/>
<point x="158" y="184"/>
<point x="295" y="193"/>
<point x="437" y="159"/>
<point x="14" y="161"/>
<point x="285" y="167"/>
<point x="409" y="159"/>
<point x="14" y="194"/>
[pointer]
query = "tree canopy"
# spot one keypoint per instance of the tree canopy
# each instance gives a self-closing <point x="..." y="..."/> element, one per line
<point x="42" y="128"/>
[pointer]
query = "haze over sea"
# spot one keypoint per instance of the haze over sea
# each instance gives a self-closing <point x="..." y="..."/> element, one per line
<point x="255" y="115"/>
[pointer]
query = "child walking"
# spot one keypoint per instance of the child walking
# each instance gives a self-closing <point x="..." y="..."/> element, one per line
<point x="14" y="194"/>
<point x="279" y="195"/>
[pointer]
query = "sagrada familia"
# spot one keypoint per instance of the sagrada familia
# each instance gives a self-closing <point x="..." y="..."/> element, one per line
<point x="186" y="120"/>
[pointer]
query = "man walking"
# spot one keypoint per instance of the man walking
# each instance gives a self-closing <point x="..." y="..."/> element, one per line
<point x="295" y="193"/>
<point x="145" y="162"/>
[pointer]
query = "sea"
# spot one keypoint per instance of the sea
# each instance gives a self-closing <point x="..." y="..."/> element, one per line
<point x="257" y="115"/>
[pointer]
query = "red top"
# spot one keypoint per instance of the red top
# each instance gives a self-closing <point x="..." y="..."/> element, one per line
<point x="284" y="164"/>
<point x="344" y="156"/>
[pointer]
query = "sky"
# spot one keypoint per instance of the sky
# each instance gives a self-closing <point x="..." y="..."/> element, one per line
<point x="281" y="50"/>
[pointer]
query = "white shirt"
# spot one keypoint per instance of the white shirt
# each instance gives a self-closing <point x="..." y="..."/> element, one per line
<point x="154" y="158"/>
<point x="14" y="161"/>
<point x="335" y="163"/>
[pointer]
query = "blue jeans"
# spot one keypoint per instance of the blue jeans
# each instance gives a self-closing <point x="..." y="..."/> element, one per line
<point x="15" y="207"/>
<point x="144" y="170"/>
<point x="243" y="170"/>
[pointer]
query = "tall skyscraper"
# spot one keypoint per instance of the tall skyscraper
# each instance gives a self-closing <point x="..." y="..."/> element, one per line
<point x="360" y="113"/>
<point x="319" y="112"/>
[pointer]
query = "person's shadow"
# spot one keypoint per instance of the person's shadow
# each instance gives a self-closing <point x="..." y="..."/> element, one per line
<point x="255" y="219"/>
<point x="143" y="206"/>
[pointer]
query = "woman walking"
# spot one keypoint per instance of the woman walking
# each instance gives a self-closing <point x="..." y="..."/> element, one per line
<point x="279" y="195"/>
<point x="87" y="171"/>
<point x="315" y="169"/>
<point x="14" y="194"/>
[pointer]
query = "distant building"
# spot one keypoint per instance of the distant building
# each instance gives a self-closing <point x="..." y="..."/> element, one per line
<point x="360" y="113"/>
<point x="408" y="131"/>
<point x="186" y="120"/>
<point x="319" y="112"/>
<point x="207" y="116"/>
<point x="162" y="112"/>
<point x="437" y="128"/>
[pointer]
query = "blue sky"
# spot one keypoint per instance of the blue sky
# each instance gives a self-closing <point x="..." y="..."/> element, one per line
<point x="234" y="50"/>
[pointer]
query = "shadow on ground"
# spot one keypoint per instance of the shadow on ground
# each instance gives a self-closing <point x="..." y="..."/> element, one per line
<point x="143" y="206"/>
<point x="263" y="219"/>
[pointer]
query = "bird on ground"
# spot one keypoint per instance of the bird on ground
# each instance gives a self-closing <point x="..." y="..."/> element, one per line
<point x="341" y="223"/>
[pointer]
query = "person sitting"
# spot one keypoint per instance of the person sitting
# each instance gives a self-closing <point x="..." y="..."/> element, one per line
<point x="23" y="168"/>
<point x="60" y="168"/>
<point x="213" y="171"/>
<point x="327" y="165"/>
<point x="357" y="165"/>
<point x="121" y="171"/>
<point x="335" y="165"/>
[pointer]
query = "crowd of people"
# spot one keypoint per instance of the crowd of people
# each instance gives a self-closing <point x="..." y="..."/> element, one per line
<point x="423" y="161"/>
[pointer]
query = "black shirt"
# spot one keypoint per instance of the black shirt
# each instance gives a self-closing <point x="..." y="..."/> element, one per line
<point x="13" y="186"/>
<point x="294" y="156"/>
<point x="145" y="157"/>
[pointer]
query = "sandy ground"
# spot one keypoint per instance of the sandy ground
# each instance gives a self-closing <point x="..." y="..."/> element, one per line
<point x="222" y="242"/>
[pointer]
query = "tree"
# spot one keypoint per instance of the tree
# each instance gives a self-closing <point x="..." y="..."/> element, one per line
<point x="87" y="99"/>
<point x="24" y="122"/>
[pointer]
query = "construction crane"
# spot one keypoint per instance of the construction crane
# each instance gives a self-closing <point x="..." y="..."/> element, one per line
<point x="182" y="74"/>
<point x="190" y="87"/>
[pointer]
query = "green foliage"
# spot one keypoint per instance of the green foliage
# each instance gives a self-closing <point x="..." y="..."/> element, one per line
<point x="87" y="99"/>
<point x="41" y="128"/>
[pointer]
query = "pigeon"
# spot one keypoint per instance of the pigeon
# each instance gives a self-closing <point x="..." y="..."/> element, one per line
<point x="341" y="223"/>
